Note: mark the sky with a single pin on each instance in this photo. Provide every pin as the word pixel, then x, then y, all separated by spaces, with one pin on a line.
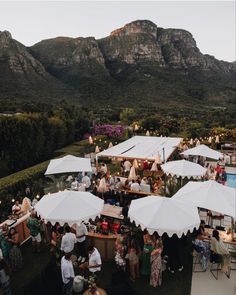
pixel 212 23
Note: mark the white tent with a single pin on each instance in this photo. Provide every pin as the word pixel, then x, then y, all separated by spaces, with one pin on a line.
pixel 69 207
pixel 164 215
pixel 209 195
pixel 68 164
pixel 143 147
pixel 183 168
pixel 204 151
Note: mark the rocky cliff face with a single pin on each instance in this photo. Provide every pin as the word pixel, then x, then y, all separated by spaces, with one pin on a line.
pixel 17 59
pixel 142 41
pixel 21 74
pixel 139 54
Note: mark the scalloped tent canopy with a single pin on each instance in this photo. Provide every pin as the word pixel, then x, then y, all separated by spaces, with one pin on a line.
pixel 164 215
pixel 69 207
pixel 210 195
pixel 183 168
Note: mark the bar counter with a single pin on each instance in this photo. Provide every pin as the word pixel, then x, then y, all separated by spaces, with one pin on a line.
pixel 20 226
pixel 104 243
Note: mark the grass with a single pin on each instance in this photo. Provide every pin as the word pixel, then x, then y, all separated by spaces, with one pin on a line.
pixel 40 276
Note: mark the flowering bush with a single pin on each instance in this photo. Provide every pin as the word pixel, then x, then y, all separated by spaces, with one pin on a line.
pixel 109 130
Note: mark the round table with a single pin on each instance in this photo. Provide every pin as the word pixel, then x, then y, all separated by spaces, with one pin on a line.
pixel 100 292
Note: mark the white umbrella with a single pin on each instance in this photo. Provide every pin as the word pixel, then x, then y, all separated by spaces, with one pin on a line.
pixel 209 195
pixel 147 133
pixel 132 174
pixel 217 139
pixel 183 168
pixel 135 164
pixel 69 207
pixel 69 164
pixel 110 145
pixel 204 151
pixel 158 159
pixel 97 150
pixel 90 139
pixel 164 215
pixel 198 142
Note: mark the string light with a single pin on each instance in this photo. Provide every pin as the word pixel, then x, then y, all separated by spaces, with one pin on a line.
pixel 13 200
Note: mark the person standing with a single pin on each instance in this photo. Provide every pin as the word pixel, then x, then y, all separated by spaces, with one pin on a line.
pixel 86 181
pixel 147 250
pixel 133 257
pixel 33 225
pixel 16 260
pixel 4 244
pixel 81 232
pixel 95 262
pixel 156 267
pixel 67 272
pixel 68 240
pixel 175 253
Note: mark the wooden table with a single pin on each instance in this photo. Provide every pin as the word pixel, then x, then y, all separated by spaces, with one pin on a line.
pixel 104 243
pixel 100 292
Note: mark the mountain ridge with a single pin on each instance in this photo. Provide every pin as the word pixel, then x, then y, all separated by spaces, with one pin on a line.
pixel 92 69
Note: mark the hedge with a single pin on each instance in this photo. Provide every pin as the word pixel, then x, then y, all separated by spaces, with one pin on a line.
pixel 13 183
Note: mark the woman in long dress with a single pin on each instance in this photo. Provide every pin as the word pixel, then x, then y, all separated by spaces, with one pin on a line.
pixel 156 267
pixel 147 249
pixel 15 253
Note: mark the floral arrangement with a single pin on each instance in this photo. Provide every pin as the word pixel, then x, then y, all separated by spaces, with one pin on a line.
pixel 109 130
pixel 92 285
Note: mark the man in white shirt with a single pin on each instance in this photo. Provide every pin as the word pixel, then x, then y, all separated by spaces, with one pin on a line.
pixel 86 181
pixel 68 241
pixel 95 262
pixel 81 232
pixel 67 272
pixel 135 186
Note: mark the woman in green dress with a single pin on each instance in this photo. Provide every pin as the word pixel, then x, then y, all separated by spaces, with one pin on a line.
pixel 147 249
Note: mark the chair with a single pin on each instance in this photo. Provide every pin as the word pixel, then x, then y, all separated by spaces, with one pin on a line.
pixel 215 260
pixel 197 257
pixel 232 252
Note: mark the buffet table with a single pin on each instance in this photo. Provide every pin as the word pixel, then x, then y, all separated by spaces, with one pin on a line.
pixel 104 243
pixel 20 226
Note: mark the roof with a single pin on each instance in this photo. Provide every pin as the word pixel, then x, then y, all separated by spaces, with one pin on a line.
pixel 143 147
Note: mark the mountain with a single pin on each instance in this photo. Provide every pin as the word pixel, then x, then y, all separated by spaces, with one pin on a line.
pixel 21 74
pixel 137 64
